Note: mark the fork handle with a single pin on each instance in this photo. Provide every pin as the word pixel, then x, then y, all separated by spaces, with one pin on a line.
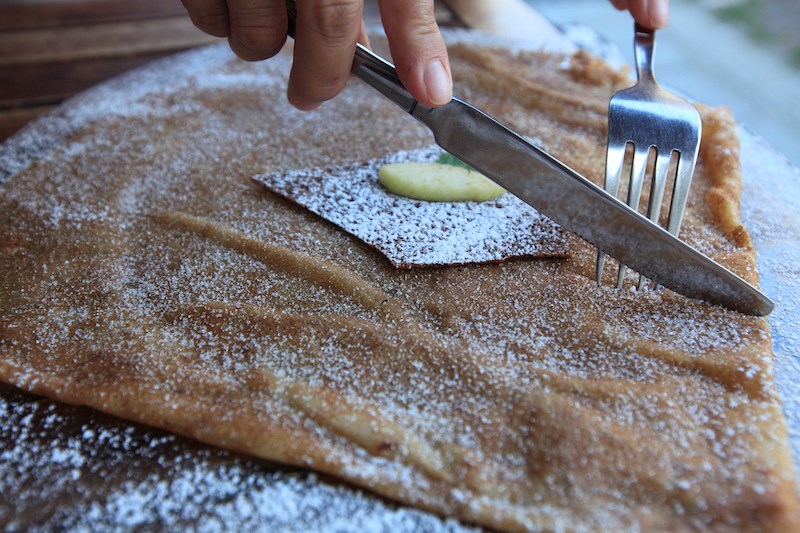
pixel 644 44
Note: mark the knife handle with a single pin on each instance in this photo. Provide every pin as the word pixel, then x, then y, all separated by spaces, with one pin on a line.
pixel 369 67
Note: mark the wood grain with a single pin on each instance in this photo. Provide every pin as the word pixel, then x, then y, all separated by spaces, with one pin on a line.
pixel 50 83
pixel 51 50
pixel 118 39
pixel 21 15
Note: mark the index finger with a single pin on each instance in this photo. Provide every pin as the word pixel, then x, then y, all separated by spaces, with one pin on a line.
pixel 418 49
pixel 325 42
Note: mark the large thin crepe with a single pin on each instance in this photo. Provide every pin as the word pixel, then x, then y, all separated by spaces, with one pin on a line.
pixel 144 275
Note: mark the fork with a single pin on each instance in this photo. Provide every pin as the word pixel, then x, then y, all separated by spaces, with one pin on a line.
pixel 651 119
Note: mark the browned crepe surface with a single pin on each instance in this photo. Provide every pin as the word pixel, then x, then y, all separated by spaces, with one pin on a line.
pixel 145 276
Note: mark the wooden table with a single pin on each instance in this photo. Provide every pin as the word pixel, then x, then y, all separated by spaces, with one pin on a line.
pixel 52 49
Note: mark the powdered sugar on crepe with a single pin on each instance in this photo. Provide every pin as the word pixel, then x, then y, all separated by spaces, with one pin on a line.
pixel 414 233
pixel 214 488
pixel 183 308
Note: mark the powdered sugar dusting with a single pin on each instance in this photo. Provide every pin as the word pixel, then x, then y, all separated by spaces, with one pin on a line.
pixel 770 201
pixel 413 233
pixel 208 489
pixel 131 95
pixel 490 369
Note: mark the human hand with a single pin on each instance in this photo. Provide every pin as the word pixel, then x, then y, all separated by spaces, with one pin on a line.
pixel 653 14
pixel 325 38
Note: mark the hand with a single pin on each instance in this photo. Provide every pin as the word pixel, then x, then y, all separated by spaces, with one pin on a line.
pixel 653 14
pixel 326 35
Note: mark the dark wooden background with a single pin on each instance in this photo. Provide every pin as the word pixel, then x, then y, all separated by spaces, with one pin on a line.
pixel 52 49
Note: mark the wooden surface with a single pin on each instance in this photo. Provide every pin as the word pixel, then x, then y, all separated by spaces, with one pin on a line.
pixel 52 49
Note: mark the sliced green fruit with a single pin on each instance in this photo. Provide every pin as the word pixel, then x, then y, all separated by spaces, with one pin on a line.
pixel 437 182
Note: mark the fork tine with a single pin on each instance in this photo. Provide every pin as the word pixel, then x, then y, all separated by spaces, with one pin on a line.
pixel 598 269
pixel 680 193
pixel 638 169
pixel 615 161
pixel 660 176
pixel 651 119
pixel 659 184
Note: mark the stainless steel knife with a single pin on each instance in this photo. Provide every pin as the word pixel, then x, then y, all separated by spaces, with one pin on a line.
pixel 562 194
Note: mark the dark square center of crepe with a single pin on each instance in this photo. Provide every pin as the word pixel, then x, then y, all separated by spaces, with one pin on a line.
pixel 415 233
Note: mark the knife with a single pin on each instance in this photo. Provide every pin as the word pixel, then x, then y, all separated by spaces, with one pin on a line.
pixel 566 197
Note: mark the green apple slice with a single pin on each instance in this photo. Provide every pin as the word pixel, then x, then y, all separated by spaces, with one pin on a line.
pixel 436 182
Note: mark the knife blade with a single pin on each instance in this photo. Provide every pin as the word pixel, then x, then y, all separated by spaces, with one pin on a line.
pixel 559 192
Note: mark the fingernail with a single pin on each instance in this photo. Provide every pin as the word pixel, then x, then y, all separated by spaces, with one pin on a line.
pixel 306 106
pixel 659 14
pixel 437 83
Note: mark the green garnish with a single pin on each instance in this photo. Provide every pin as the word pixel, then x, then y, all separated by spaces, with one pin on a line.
pixel 449 159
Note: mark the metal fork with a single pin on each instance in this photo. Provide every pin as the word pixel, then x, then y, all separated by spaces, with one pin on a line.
pixel 648 117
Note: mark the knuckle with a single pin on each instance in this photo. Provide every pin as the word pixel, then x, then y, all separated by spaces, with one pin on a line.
pixel 420 33
pixel 330 87
pixel 424 32
pixel 317 90
pixel 336 21
pixel 422 23
pixel 260 30
pixel 213 22
pixel 255 39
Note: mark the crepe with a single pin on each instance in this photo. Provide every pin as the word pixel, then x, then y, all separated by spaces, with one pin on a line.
pixel 144 275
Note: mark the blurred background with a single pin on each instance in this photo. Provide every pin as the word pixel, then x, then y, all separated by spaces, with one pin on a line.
pixel 741 53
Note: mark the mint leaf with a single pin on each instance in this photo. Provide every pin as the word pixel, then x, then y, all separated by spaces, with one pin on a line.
pixel 450 159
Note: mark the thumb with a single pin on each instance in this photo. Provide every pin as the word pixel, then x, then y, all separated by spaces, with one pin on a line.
pixel 657 14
